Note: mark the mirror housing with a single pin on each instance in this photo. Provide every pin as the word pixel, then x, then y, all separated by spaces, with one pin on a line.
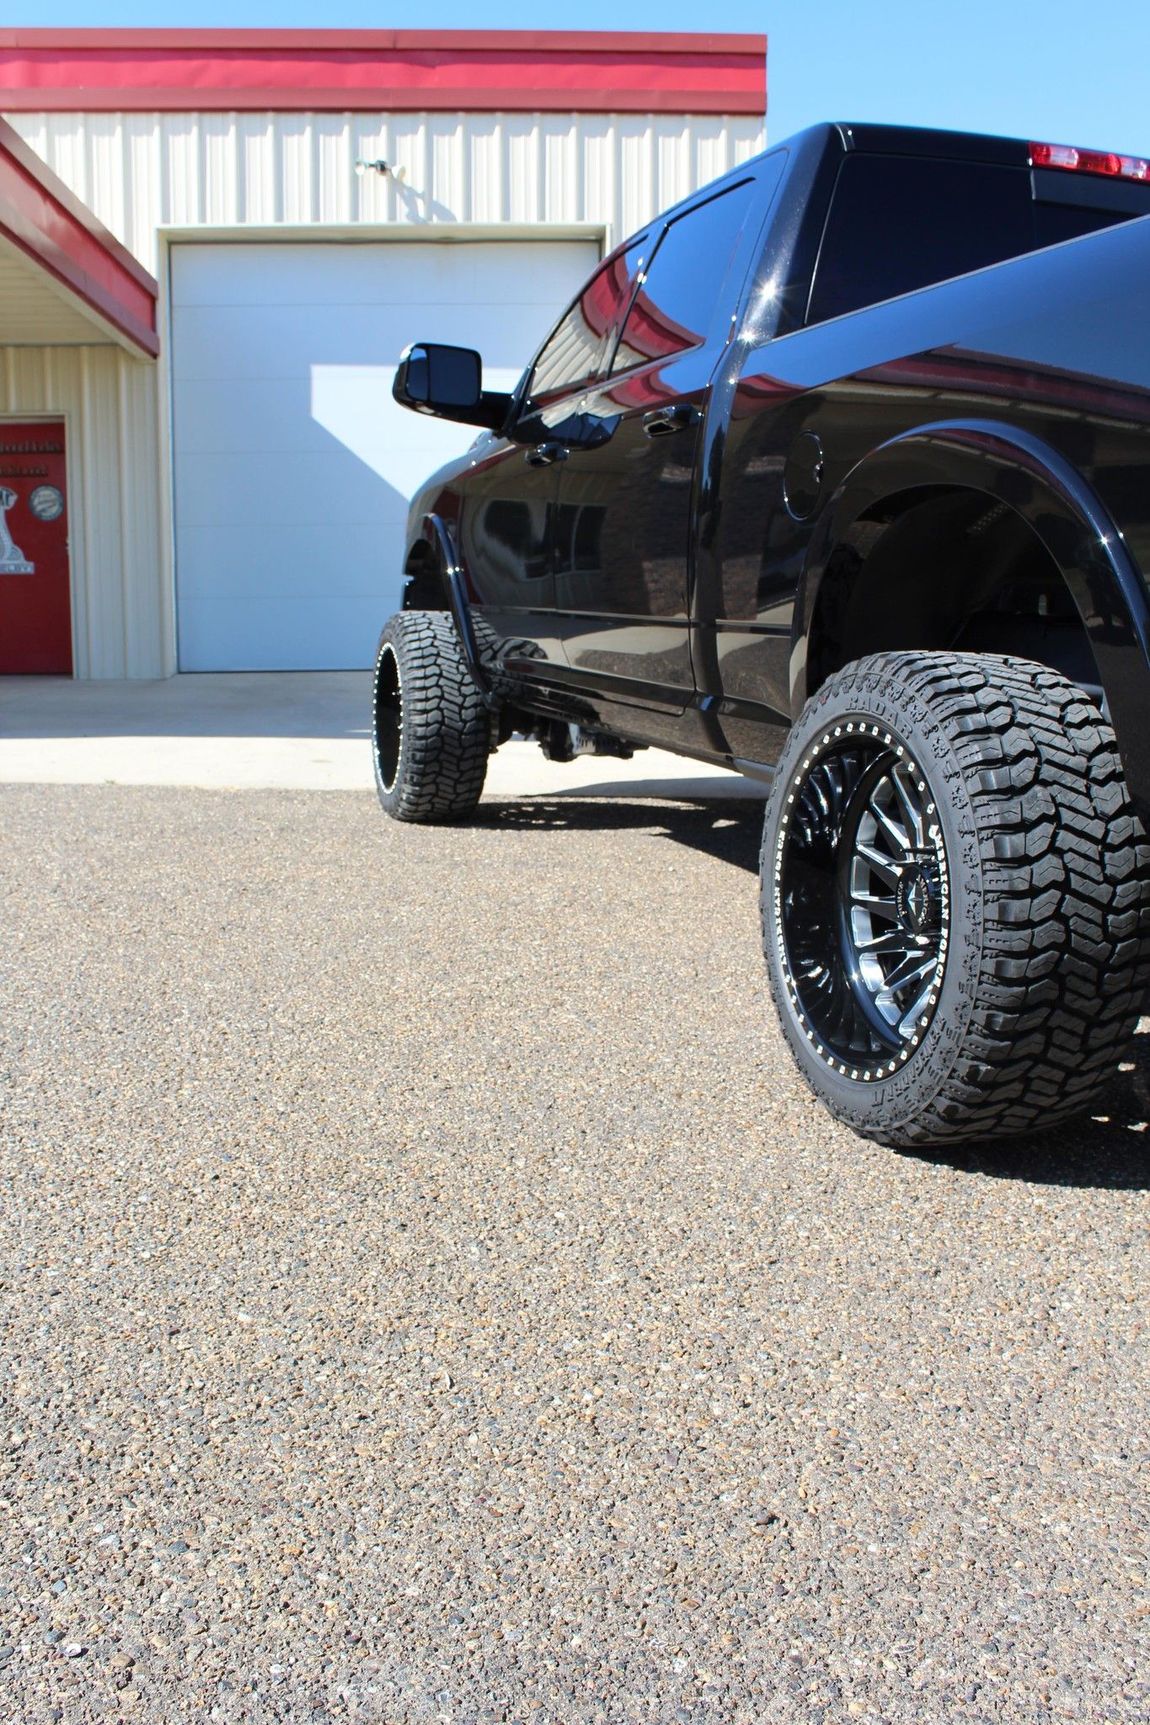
pixel 447 382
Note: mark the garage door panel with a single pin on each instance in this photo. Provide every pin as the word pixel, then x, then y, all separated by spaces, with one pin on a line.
pixel 351 405
pixel 224 342
pixel 235 415
pixel 285 559
pixel 314 636
pixel 372 274
pixel 355 406
pixel 292 489
pixel 293 466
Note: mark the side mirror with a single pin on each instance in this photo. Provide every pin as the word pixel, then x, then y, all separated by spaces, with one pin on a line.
pixel 445 381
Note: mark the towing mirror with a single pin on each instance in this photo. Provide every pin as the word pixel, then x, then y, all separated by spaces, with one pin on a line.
pixel 445 381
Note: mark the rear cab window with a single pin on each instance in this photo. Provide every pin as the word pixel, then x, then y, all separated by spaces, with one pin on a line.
pixel 897 223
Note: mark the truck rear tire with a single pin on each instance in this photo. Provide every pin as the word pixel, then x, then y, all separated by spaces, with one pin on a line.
pixel 955 897
pixel 431 729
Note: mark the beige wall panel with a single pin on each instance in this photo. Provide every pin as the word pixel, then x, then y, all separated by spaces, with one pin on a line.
pixel 334 176
pixel 143 174
pixel 524 187
pixel 257 185
pixel 562 187
pixel 143 171
pixel 485 167
pixel 635 172
pixel 220 177
pixel 181 179
pixel 121 622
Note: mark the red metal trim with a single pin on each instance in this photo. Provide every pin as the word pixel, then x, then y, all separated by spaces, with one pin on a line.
pixel 42 217
pixel 376 100
pixel 643 42
pixel 397 70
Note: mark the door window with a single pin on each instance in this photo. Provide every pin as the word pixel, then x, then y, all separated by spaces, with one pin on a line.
pixel 577 351
pixel 679 290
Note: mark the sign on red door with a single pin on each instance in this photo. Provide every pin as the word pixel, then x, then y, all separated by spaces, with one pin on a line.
pixel 35 591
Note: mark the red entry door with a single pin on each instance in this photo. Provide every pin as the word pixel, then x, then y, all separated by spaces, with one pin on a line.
pixel 35 591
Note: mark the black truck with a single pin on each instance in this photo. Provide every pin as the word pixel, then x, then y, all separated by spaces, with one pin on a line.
pixel 838 474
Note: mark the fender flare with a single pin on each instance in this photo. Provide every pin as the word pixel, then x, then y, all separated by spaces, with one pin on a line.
pixel 437 531
pixel 1016 468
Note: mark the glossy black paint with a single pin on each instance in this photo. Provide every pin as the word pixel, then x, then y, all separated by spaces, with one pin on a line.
pixel 716 528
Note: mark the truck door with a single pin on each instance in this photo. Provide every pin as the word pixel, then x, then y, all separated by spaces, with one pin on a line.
pixel 625 500
pixel 507 522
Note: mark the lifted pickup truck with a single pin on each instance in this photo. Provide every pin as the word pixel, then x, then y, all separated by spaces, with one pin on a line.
pixel 839 474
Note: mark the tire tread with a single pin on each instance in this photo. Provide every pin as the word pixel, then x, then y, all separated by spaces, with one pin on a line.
pixel 446 737
pixel 1065 870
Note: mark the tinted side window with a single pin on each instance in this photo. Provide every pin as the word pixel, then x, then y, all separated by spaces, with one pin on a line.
pixel 897 223
pixel 577 349
pixel 679 290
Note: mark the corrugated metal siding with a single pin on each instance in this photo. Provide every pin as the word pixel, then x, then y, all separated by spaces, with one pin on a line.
pixel 140 171
pixel 121 608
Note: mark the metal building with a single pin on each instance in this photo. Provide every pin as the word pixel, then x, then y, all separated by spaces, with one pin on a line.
pixel 214 245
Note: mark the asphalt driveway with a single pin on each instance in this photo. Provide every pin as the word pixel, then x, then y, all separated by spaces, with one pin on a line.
pixel 429 1294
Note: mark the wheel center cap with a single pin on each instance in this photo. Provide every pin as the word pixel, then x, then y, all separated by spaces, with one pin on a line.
pixel 916 897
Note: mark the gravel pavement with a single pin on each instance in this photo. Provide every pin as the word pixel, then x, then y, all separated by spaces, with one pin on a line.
pixel 429 1294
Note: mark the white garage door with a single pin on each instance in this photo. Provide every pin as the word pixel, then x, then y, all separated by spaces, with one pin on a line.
pixel 293 466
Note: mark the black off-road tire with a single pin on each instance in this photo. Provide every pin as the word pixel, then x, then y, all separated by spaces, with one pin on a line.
pixel 1023 913
pixel 431 728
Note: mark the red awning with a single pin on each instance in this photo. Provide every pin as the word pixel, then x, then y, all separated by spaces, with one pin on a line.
pixel 44 221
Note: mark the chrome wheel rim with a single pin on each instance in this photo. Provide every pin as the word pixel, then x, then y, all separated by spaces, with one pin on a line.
pixel 861 900
pixel 387 731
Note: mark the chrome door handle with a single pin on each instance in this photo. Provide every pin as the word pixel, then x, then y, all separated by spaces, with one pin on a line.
pixel 546 454
pixel 665 421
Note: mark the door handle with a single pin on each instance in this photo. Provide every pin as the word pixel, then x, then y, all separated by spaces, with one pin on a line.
pixel 665 421
pixel 546 454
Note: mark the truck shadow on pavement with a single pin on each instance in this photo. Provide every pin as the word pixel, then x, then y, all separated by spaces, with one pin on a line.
pixel 727 828
pixel 1108 1147
pixel 1105 1148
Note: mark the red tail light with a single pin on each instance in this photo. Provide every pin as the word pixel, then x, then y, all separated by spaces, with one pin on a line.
pixel 1089 161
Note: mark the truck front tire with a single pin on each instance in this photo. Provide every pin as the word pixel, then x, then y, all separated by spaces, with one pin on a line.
pixel 431 729
pixel 955 897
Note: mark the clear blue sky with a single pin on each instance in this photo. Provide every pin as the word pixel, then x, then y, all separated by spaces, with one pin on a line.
pixel 1067 71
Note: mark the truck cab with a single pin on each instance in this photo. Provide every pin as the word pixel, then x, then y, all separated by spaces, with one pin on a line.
pixel 641 510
